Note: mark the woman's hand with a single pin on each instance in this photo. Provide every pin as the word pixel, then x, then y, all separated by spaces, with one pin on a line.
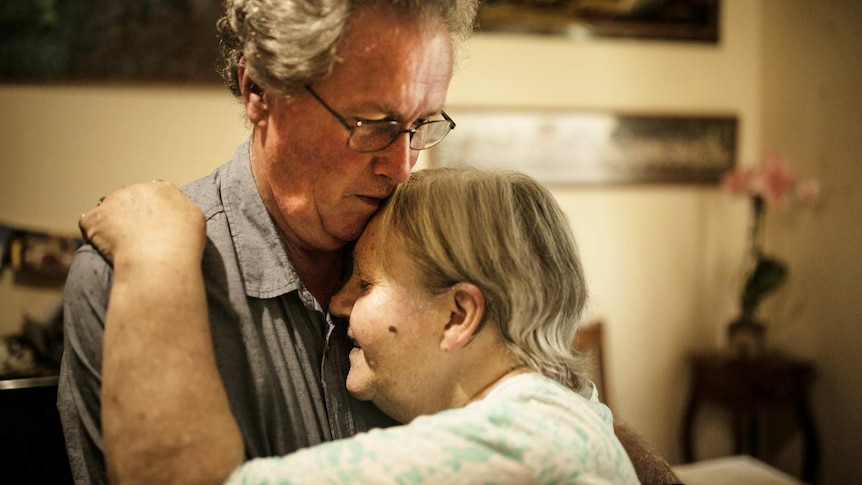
pixel 144 221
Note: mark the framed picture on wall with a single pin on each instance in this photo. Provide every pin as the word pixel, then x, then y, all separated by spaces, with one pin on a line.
pixel 37 258
pixel 570 147
pixel 109 41
pixel 676 20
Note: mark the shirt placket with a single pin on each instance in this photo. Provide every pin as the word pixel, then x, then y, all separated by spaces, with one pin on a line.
pixel 334 368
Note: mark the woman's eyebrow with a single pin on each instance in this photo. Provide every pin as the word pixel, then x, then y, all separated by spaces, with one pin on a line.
pixel 357 266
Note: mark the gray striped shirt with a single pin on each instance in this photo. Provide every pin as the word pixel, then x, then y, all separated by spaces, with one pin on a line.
pixel 282 360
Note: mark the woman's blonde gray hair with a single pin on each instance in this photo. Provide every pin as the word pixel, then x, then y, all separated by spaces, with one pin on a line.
pixel 505 233
pixel 288 44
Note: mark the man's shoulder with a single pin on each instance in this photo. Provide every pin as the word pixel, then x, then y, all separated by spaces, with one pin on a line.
pixel 224 186
pixel 89 276
pixel 206 191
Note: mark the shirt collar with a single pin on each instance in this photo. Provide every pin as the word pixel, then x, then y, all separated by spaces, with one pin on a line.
pixel 266 269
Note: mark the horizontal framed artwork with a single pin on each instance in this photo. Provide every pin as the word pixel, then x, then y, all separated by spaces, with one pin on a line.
pixel 94 41
pixel 673 20
pixel 570 147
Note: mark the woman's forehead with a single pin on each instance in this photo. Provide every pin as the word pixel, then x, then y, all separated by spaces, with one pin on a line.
pixel 367 252
pixel 380 251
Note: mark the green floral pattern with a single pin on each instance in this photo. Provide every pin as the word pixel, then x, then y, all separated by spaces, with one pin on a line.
pixel 528 430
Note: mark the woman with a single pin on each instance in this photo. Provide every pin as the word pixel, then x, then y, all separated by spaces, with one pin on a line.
pixel 464 299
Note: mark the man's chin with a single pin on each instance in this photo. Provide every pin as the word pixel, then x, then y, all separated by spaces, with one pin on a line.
pixel 355 224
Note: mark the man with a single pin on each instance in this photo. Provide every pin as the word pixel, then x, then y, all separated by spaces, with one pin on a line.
pixel 341 96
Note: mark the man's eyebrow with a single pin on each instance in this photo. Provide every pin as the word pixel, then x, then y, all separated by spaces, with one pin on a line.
pixel 390 112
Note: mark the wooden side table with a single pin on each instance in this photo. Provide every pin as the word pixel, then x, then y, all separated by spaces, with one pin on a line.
pixel 748 389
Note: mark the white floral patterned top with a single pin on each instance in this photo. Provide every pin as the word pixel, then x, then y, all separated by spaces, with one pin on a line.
pixel 528 430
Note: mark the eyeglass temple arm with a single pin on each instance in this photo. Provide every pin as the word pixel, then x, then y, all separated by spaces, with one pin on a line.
pixel 329 108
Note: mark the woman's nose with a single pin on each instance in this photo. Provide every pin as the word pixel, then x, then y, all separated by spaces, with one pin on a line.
pixel 342 302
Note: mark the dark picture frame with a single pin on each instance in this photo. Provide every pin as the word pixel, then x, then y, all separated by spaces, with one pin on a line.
pixel 570 147
pixel 95 41
pixel 669 20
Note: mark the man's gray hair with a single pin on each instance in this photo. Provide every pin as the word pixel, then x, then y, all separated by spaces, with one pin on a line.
pixel 288 44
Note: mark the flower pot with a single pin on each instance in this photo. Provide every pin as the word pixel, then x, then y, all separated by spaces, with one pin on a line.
pixel 746 337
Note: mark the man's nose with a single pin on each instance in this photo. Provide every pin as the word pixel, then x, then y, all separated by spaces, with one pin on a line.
pixel 395 161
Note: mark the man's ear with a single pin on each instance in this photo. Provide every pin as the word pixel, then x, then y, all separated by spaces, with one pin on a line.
pixel 466 313
pixel 252 95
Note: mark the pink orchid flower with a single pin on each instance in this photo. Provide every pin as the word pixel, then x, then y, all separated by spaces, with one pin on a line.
pixel 771 181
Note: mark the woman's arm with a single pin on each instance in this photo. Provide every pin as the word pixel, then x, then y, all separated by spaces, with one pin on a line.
pixel 165 414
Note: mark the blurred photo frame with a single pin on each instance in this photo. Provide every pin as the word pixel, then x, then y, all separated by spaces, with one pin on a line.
pixel 667 20
pixel 572 147
pixel 37 258
pixel 109 41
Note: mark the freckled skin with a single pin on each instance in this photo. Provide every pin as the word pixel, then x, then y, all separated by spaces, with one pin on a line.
pixel 398 329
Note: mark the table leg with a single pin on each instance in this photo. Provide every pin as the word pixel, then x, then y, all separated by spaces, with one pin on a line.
pixel 688 431
pixel 811 442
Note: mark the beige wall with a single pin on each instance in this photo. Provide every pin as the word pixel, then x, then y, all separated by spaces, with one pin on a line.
pixel 64 147
pixel 812 76
pixel 662 260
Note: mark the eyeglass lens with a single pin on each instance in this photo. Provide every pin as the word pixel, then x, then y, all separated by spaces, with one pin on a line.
pixel 373 136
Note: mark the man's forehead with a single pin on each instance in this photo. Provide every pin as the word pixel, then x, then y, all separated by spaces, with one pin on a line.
pixel 402 54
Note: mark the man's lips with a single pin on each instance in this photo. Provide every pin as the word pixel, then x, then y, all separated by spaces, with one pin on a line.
pixel 376 195
pixel 375 201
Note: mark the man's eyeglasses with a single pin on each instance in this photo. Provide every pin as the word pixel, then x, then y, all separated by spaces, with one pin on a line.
pixel 374 135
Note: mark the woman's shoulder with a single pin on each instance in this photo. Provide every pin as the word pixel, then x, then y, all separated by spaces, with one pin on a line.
pixel 534 389
pixel 538 421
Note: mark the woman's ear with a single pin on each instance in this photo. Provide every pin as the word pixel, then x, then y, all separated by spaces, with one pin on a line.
pixel 252 95
pixel 466 313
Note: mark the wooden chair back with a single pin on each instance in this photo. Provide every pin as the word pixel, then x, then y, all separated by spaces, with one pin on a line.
pixel 590 341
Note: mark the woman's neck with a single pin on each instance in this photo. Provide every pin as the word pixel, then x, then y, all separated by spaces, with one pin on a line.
pixel 519 368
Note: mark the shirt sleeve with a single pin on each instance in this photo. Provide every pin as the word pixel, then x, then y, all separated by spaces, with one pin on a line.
pixel 85 301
